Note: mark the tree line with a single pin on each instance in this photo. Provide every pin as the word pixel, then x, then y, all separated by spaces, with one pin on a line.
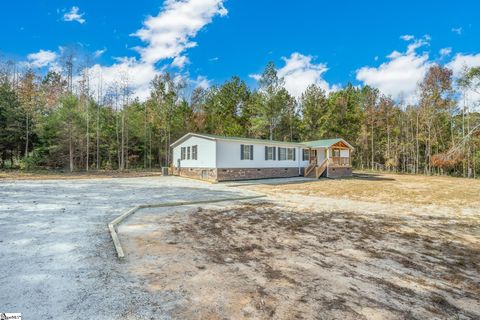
pixel 57 121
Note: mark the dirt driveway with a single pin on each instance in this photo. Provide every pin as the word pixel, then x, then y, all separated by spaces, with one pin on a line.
pixel 57 260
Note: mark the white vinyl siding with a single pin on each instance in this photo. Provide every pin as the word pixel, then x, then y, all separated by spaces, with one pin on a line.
pixel 229 156
pixel 202 153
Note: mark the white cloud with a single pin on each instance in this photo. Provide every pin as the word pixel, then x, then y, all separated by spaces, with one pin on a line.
pixel 255 76
pixel 457 30
pixel 97 54
pixel 445 51
pixel 42 58
pixel 201 82
pixel 137 74
pixel 458 65
pixel 74 15
pixel 170 32
pixel 412 47
pixel 462 61
pixel 399 76
pixel 407 37
pixel 299 72
pixel 180 62
pixel 167 36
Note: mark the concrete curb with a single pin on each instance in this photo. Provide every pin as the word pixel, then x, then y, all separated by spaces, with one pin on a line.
pixel 112 226
pixel 270 183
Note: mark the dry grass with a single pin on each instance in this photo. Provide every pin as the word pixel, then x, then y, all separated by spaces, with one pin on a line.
pixel 390 188
pixel 59 175
pixel 263 261
pixel 368 247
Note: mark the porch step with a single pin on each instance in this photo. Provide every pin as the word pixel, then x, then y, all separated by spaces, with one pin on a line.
pixel 316 171
pixel 319 171
pixel 311 174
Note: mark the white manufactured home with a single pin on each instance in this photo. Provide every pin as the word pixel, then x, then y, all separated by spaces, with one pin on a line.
pixel 219 158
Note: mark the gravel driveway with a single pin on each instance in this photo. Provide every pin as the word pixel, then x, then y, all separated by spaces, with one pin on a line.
pixel 57 260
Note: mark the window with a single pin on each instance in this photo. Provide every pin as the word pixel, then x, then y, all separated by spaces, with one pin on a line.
pixel 336 153
pixel 182 153
pixel 188 153
pixel 291 154
pixel 286 153
pixel 270 153
pixel 306 155
pixel 194 152
pixel 246 152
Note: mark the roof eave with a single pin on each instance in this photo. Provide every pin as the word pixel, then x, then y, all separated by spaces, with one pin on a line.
pixel 186 136
pixel 297 144
pixel 263 142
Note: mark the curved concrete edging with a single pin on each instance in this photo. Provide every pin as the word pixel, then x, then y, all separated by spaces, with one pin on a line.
pixel 114 223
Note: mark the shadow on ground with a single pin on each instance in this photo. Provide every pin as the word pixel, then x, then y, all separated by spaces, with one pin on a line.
pixel 370 177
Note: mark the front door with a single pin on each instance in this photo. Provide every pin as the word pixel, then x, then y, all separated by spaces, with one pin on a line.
pixel 313 155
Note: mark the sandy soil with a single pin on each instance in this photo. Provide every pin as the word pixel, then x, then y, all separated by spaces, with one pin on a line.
pixel 307 254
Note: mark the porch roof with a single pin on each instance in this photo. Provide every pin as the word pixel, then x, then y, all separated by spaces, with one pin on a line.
pixel 326 143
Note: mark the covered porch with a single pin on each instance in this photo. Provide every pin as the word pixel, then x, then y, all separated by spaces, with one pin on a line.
pixel 328 158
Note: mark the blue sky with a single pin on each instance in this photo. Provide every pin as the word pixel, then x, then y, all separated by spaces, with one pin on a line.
pixel 386 44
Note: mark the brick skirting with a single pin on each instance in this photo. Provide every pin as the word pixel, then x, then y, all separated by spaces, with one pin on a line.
pixel 338 172
pixel 235 174
pixel 207 174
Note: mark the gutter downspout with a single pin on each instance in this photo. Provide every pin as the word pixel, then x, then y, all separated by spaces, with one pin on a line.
pixel 300 151
pixel 328 161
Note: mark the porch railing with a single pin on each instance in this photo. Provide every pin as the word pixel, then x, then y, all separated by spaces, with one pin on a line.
pixel 319 170
pixel 340 161
pixel 309 169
